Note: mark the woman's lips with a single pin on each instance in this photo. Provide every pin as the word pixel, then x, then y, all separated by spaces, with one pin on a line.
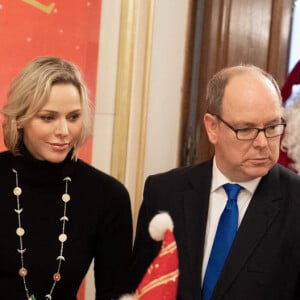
pixel 60 147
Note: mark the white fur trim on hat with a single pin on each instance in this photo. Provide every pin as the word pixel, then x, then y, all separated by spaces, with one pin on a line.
pixel 159 224
pixel 127 297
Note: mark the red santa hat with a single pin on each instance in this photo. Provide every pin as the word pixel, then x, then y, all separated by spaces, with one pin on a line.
pixel 161 279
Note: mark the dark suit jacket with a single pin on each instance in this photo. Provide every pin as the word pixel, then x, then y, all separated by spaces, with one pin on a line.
pixel 264 261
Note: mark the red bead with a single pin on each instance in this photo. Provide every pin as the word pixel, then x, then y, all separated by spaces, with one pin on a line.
pixel 23 272
pixel 56 277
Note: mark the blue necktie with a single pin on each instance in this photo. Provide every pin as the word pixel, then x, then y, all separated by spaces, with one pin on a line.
pixel 224 237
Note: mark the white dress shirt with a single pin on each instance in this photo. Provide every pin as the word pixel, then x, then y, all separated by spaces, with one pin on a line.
pixel 217 202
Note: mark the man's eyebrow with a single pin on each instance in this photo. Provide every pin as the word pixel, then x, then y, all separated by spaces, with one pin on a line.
pixel 254 125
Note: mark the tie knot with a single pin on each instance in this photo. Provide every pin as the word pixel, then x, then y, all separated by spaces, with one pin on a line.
pixel 232 190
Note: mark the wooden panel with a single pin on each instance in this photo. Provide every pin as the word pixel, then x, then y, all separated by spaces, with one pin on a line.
pixel 211 51
pixel 279 46
pixel 249 32
pixel 241 31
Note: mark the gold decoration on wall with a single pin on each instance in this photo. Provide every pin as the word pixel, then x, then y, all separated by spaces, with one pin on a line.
pixel 144 109
pixel 123 89
pixel 132 88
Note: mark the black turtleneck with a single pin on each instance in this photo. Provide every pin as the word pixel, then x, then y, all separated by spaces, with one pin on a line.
pixel 99 227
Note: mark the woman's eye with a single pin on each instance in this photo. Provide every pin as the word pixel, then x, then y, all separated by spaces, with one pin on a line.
pixel 47 118
pixel 74 117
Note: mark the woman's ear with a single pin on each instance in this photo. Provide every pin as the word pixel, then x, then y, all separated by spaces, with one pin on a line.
pixel 211 126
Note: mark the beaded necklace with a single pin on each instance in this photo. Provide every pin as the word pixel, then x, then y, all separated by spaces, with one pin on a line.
pixel 17 191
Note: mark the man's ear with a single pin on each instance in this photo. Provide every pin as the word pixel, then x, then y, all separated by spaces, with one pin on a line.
pixel 211 126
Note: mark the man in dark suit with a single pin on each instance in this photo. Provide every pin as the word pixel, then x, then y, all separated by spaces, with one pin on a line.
pixel 244 123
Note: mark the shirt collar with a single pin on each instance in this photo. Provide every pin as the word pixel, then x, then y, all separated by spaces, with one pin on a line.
pixel 219 179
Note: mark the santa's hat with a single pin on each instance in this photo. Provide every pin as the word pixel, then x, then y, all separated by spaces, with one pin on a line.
pixel 161 279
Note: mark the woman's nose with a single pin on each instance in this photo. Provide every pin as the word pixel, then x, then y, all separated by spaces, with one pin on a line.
pixel 62 128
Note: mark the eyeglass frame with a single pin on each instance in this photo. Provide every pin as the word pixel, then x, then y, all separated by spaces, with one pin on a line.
pixel 258 130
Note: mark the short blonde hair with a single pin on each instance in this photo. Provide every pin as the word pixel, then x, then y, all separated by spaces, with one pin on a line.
pixel 30 91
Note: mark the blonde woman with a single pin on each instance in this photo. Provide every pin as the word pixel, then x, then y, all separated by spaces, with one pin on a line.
pixel 57 213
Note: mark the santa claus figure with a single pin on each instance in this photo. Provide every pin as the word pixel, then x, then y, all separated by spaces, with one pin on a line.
pixel 290 144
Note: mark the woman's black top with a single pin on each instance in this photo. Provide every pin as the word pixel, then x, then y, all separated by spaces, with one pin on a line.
pixel 99 227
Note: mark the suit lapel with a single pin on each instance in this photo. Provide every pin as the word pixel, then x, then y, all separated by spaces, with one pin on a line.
pixel 195 207
pixel 262 210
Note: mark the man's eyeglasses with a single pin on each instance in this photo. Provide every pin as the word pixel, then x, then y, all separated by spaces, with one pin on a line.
pixel 250 133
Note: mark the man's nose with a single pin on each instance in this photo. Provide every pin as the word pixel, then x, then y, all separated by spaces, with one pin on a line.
pixel 261 138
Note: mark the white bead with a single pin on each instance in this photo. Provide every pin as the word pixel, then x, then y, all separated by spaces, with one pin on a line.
pixel 66 197
pixel 20 231
pixel 62 237
pixel 17 191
